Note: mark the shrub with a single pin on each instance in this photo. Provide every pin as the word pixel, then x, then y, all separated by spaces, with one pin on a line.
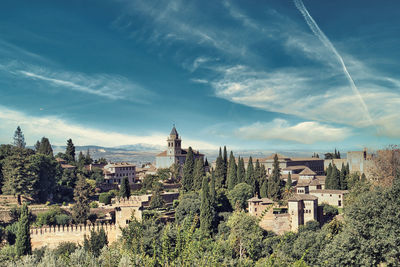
pixel 65 249
pixel 94 205
pixel 62 219
pixel 105 198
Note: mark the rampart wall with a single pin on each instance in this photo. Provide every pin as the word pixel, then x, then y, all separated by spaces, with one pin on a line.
pixel 52 236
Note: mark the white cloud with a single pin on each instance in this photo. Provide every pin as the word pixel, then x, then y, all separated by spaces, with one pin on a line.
pixel 58 130
pixel 104 85
pixel 308 132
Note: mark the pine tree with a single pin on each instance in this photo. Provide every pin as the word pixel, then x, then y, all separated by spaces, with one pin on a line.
pixel 219 171
pixel 37 146
pixel 23 241
pixel 241 172
pixel 88 158
pixel 198 173
pixel 20 177
pixel 125 189
pixel 82 192
pixel 274 190
pixel 232 172
pixel 206 212
pixel 45 147
pixel 19 139
pixel 70 151
pixel 188 171
pixel 81 160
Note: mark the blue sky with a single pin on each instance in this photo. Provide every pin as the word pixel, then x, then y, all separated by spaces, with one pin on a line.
pixel 246 74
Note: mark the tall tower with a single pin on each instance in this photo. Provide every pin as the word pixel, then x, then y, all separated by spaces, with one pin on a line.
pixel 174 143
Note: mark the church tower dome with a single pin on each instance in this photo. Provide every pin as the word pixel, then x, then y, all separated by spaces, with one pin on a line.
pixel 174 143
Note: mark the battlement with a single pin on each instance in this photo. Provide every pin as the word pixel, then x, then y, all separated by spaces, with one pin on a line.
pixel 133 200
pixel 74 228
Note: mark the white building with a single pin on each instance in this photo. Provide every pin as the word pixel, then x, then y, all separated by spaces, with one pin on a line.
pixel 115 172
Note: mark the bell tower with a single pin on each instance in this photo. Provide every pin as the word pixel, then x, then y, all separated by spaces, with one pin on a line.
pixel 174 143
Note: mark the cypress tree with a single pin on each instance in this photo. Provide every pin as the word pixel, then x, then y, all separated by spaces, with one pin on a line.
pixel 19 139
pixel 241 172
pixel 335 178
pixel 213 195
pixel 232 172
pixel 198 173
pixel 188 171
pixel 289 181
pixel 23 242
pixel 275 180
pixel 257 177
pixel 250 176
pixel 225 158
pixel 70 151
pixel 82 192
pixel 328 179
pixel 157 200
pixel 264 189
pixel 343 178
pixel 219 171
pixel 125 189
pixel 206 213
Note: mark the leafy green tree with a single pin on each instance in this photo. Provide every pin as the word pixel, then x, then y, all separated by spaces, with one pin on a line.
pixel 245 235
pixel 19 139
pixel 198 173
pixel 23 242
pixel 239 195
pixel 164 173
pixel 70 151
pixel 219 171
pixel 96 241
pixel 157 200
pixel 45 147
pixel 371 232
pixel 274 181
pixel 189 206
pixel 241 171
pixel 82 193
pixel 46 167
pixel 232 172
pixel 206 209
pixel 188 171
pixel 20 177
pixel 125 189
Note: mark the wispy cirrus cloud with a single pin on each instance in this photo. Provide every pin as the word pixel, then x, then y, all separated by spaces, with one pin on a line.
pixel 307 132
pixel 58 130
pixel 113 87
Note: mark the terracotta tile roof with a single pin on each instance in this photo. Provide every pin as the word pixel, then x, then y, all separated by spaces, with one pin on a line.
pixel 307 171
pixel 263 200
pixel 299 167
pixel 329 191
pixel 298 197
pixel 279 156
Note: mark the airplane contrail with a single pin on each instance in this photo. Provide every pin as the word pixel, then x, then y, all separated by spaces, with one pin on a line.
pixel 322 37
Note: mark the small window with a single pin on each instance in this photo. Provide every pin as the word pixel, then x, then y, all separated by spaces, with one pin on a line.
pixel 339 203
pixel 255 209
pixel 340 196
